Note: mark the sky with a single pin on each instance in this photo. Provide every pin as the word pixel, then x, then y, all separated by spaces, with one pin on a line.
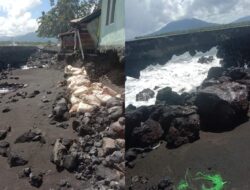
pixel 18 17
pixel 146 16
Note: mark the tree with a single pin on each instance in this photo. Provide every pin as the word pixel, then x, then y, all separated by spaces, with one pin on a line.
pixel 57 20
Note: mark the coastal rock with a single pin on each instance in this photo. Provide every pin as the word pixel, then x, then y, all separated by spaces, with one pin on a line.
pixel 169 97
pixel 205 60
pixel 183 130
pixel 147 134
pixel 215 72
pixel 222 106
pixel 145 95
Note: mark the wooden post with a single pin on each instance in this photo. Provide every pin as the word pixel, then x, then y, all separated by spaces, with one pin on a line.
pixel 80 44
pixel 75 41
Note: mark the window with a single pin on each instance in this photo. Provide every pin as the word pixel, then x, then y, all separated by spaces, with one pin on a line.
pixel 110 17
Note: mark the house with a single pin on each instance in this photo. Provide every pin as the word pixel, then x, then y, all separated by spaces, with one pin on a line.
pixel 102 30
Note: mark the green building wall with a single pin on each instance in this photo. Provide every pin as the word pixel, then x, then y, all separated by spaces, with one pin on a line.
pixel 112 36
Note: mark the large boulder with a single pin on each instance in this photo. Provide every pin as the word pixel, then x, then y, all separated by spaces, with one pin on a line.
pixel 178 124
pixel 183 130
pixel 145 95
pixel 222 106
pixel 215 72
pixel 148 133
pixel 169 97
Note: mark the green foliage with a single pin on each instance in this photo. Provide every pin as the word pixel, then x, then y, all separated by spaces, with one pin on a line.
pixel 57 20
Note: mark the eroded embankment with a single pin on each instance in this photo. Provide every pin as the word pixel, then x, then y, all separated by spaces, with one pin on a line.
pixel 16 56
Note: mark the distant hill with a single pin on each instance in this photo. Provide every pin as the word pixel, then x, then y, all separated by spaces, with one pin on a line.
pixel 243 19
pixel 185 24
pixel 30 37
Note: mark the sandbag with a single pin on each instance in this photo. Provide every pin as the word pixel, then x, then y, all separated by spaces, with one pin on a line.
pixel 74 100
pixel 80 91
pixel 92 100
pixel 109 91
pixel 83 107
pixel 74 108
pixel 103 97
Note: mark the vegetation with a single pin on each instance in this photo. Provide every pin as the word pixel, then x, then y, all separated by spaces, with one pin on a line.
pixel 57 20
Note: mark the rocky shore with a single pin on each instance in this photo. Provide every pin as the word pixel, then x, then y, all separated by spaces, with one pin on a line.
pixel 218 106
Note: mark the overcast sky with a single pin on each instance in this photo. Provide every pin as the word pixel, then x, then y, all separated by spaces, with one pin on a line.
pixel 20 16
pixel 146 16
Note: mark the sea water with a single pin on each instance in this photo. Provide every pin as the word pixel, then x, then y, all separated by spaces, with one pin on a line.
pixel 182 73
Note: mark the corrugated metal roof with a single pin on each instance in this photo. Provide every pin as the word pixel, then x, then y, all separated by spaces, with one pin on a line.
pixel 88 18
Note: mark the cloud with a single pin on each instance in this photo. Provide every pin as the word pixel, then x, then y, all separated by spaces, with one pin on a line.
pixel 146 16
pixel 16 18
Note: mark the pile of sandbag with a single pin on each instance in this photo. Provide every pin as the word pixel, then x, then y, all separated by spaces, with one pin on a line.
pixel 84 95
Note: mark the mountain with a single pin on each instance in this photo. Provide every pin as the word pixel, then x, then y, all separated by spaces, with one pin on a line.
pixel 185 24
pixel 243 19
pixel 30 37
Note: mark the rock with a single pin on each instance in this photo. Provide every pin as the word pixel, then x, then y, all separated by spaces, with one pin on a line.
pixel 33 94
pixel 25 173
pixel 115 112
pixel 106 173
pixel 15 160
pixel 167 96
pixel 147 134
pixel 62 125
pixel 60 109
pixel 118 129
pixel 45 99
pixel 130 107
pixel 70 162
pixel 205 60
pixel 59 151
pixel 222 106
pixel 36 180
pixel 134 119
pixel 108 146
pixel 215 72
pixel 3 134
pixel 75 125
pixel 183 130
pixel 4 144
pixel 165 184
pixel 112 102
pixel 236 73
pixel 117 157
pixel 29 137
pixel 130 155
pixel 6 109
pixel 145 95
pixel 85 130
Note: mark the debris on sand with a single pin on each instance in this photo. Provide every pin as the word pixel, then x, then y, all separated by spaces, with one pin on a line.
pixel 31 136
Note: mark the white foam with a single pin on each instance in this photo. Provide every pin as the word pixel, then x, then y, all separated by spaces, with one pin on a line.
pixel 26 67
pixel 182 73
pixel 4 90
